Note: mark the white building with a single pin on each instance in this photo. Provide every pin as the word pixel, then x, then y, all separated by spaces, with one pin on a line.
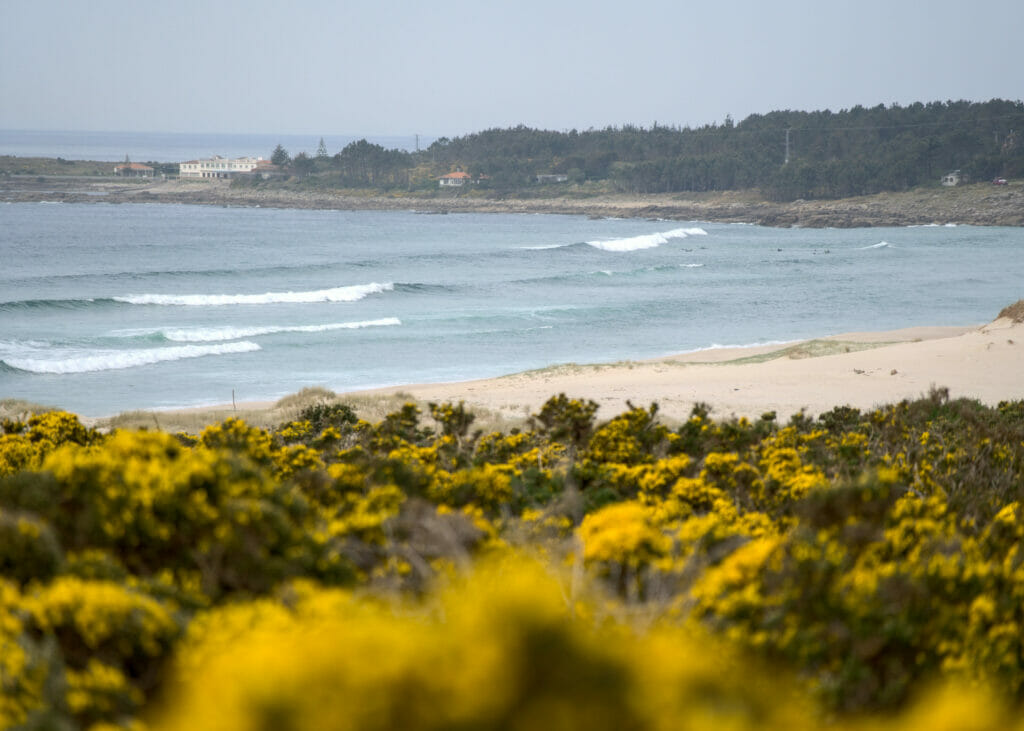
pixel 218 167
pixel 953 178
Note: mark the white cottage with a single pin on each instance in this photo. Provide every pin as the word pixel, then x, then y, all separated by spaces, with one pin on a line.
pixel 951 179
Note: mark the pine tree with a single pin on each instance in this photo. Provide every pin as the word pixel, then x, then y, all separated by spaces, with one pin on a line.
pixel 280 156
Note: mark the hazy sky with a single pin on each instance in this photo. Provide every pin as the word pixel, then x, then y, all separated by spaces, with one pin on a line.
pixel 448 67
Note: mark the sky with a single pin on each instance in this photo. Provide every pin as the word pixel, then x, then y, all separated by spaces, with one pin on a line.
pixel 452 67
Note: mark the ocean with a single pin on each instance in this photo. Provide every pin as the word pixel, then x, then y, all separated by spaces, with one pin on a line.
pixel 106 308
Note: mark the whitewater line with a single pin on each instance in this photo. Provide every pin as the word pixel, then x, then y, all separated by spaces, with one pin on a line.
pixel 215 334
pixel 110 361
pixel 351 293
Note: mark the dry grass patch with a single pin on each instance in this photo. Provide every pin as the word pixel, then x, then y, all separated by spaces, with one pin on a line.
pixel 809 349
pixel 1013 312
pixel 369 407
pixel 190 421
pixel 19 410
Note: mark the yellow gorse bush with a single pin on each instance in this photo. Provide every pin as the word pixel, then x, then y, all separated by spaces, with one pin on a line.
pixel 22 669
pixel 864 570
pixel 505 646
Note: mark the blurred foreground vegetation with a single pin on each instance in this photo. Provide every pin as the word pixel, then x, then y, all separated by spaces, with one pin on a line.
pixel 858 570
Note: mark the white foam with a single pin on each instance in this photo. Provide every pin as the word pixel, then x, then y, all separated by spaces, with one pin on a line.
pixel 879 245
pixel 8 347
pixel 351 293
pixel 215 334
pixel 546 247
pixel 720 346
pixel 115 360
pixel 646 241
pixel 951 225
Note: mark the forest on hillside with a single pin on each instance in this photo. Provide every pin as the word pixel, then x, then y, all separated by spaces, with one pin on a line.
pixel 786 154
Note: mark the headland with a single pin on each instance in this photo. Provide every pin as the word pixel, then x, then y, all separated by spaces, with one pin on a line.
pixel 979 204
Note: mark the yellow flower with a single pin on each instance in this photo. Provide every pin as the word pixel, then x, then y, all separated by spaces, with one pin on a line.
pixel 622 533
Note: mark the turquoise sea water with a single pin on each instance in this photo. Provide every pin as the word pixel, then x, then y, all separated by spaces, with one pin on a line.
pixel 105 308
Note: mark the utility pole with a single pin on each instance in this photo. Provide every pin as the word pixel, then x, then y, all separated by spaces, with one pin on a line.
pixel 417 143
pixel 786 162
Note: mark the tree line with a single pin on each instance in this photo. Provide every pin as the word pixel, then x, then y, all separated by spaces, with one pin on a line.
pixel 786 154
pixel 360 164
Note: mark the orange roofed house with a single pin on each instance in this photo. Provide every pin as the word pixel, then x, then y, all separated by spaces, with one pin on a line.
pixel 456 179
pixel 133 170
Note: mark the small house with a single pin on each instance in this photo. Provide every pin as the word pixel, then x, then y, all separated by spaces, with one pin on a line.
pixel 133 170
pixel 454 180
pixel 953 178
pixel 555 178
pixel 265 170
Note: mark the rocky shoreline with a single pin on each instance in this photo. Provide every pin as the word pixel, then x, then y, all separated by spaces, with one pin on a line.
pixel 980 204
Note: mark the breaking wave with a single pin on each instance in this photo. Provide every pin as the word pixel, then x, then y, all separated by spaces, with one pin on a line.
pixel 351 293
pixel 115 360
pixel 879 245
pixel 646 241
pixel 217 334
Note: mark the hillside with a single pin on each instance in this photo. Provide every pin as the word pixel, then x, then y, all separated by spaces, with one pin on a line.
pixel 785 155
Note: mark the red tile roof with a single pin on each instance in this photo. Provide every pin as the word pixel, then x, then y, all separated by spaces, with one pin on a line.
pixel 456 176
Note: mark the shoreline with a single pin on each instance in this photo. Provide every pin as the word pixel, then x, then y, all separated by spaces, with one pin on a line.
pixel 860 369
pixel 979 204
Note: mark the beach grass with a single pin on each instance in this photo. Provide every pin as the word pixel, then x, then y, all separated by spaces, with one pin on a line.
pixel 371 406
pixel 20 409
pixel 808 349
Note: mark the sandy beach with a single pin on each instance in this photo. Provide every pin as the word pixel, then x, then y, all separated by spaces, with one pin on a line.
pixel 862 370
pixel 855 369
